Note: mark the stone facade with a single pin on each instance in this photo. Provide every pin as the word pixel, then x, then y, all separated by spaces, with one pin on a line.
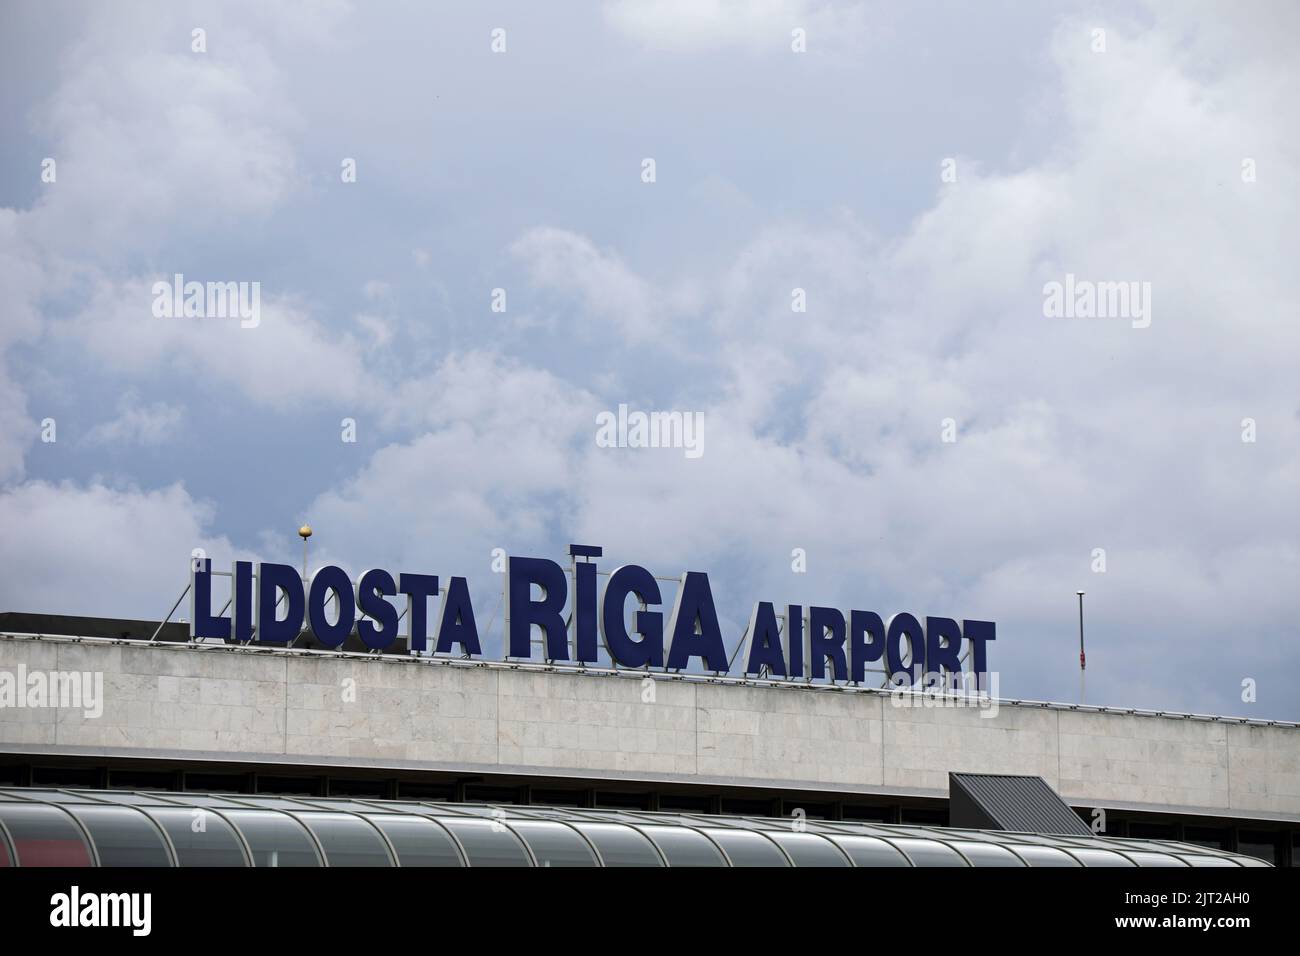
pixel 269 706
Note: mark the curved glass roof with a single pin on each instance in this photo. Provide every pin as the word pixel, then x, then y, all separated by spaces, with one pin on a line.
pixel 127 828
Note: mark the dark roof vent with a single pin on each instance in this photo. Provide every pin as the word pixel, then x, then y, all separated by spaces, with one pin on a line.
pixel 993 801
pixel 14 622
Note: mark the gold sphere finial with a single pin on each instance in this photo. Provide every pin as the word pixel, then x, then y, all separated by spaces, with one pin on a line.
pixel 304 532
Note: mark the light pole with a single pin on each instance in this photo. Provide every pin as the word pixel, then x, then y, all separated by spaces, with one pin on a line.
pixel 1083 661
pixel 304 532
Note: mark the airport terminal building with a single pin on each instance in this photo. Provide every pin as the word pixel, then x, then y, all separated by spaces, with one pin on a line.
pixel 323 755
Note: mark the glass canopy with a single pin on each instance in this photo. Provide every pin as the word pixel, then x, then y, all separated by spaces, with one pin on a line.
pixel 51 827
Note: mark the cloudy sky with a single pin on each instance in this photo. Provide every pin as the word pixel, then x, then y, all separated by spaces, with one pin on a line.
pixel 920 171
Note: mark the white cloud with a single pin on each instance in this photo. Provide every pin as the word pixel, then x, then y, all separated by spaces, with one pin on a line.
pixel 138 425
pixel 101 550
pixel 822 428
pixel 756 25
pixel 286 359
pixel 610 292
pixel 492 466
pixel 152 140
pixel 825 432
pixel 21 278
pixel 156 138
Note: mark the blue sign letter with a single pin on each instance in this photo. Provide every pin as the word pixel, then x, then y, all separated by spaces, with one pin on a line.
pixel 977 633
pixel 821 645
pixel 942 651
pixel 271 580
pixel 866 641
pixel 456 622
pixel 371 589
pixel 632 579
pixel 764 639
pixel 202 623
pixel 693 626
pixel 548 613
pixel 331 578
pixel 418 588
pixel 900 626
